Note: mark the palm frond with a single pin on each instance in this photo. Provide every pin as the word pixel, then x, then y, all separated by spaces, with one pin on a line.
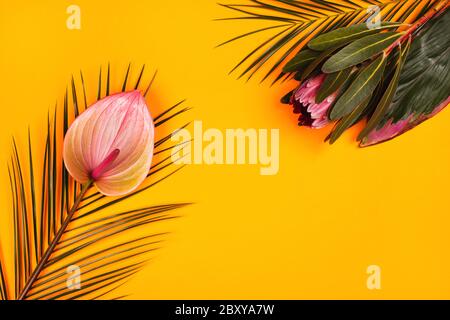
pixel 49 237
pixel 3 285
pixel 300 21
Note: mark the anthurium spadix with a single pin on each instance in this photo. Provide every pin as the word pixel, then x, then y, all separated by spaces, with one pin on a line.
pixel 111 144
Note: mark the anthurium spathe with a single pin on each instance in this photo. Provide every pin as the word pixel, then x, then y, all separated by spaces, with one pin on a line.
pixel 111 144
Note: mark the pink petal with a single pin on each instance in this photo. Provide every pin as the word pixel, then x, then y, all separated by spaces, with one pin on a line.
pixel 308 89
pixel 112 143
pixel 319 123
pixel 316 81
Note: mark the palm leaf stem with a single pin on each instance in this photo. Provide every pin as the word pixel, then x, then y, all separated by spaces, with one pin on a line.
pixel 3 288
pixel 50 249
pixel 439 7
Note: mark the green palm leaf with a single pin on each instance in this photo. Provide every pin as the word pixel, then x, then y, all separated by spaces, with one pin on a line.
pixel 300 21
pixel 49 237
pixel 3 287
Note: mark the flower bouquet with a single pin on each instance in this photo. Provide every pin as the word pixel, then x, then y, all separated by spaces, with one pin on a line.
pixel 393 75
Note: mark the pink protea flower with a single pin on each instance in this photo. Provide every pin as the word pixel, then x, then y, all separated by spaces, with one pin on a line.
pixel 312 114
pixel 111 144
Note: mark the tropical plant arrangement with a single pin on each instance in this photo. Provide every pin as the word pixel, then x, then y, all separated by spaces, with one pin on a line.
pixel 94 158
pixel 393 75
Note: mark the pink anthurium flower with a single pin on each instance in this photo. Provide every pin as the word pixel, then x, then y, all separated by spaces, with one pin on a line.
pixel 111 144
pixel 312 114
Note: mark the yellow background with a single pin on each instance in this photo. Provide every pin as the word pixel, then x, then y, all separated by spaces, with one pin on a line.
pixel 309 232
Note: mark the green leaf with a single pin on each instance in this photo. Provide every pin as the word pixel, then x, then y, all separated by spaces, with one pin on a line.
pixel 425 79
pixel 302 59
pixel 361 88
pixel 387 97
pixel 346 35
pixel 360 51
pixel 3 285
pixel 287 98
pixel 316 63
pixel 348 121
pixel 332 82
